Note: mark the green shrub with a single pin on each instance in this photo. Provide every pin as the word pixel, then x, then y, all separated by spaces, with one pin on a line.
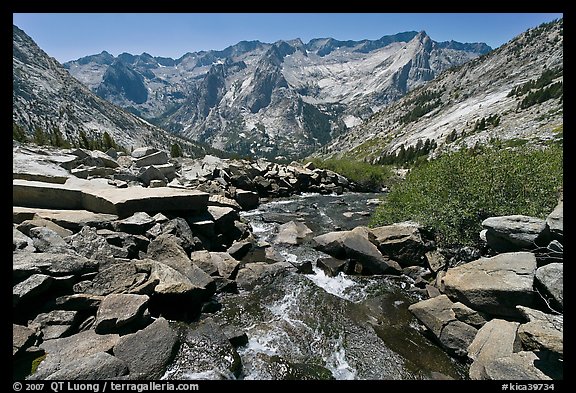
pixel 18 133
pixel 453 194
pixel 175 150
pixel 367 176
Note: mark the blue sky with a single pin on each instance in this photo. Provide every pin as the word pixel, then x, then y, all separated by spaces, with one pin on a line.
pixel 69 36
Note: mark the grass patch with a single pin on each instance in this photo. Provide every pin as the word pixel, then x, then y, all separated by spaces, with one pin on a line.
pixel 453 194
pixel 36 363
pixel 367 176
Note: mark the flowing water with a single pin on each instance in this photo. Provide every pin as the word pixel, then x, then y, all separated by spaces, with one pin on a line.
pixel 311 326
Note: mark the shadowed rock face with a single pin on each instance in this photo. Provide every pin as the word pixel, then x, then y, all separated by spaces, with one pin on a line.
pixel 148 352
pixel 121 80
pixel 550 279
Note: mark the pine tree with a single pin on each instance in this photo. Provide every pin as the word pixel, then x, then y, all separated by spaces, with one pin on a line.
pixel 175 150
pixel 107 141
pixel 39 136
pixel 401 154
pixel 18 133
pixel 83 142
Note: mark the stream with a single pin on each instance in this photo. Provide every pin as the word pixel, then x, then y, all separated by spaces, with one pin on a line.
pixel 311 326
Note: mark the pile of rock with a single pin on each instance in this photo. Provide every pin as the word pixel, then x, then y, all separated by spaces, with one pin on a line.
pixel 393 249
pixel 95 261
pixel 266 179
pixel 240 181
pixel 108 247
pixel 504 313
pixel 86 291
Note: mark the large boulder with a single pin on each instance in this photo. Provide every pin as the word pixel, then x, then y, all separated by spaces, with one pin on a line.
pixel 205 348
pixel 55 324
pixel 457 336
pixel 138 223
pixel 435 313
pixel 332 266
pixel 45 239
pixel 99 366
pixel 222 201
pixel 168 170
pixel 180 228
pixel 360 249
pixel 494 340
pixel 36 222
pixel 355 244
pixel 515 233
pixel 143 151
pixel 86 172
pixel 157 158
pixel 165 249
pixel 438 315
pixel 467 315
pixel 163 280
pixel 33 286
pixel 173 294
pixel 150 173
pixel 216 263
pixel 149 351
pixel 66 352
pixel 119 312
pixel 21 242
pixel 247 199
pixel 494 285
pixel 73 220
pixel 124 245
pixel 41 164
pixel 223 217
pixel 79 302
pixel 555 221
pixel 89 244
pixel 519 366
pixel 292 233
pixel 436 260
pixel 25 264
pixel 22 337
pixel 402 243
pixel 256 273
pixel 99 198
pixel 104 159
pixel 118 278
pixel 550 279
pixel 331 244
pixel 542 332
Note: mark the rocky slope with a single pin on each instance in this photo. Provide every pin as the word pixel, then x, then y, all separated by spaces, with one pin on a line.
pixel 488 98
pixel 286 98
pixel 45 96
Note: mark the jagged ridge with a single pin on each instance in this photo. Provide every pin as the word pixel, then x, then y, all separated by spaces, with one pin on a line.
pixel 286 98
pixel 471 104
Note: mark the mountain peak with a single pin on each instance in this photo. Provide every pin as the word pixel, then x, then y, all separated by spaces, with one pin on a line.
pixel 268 99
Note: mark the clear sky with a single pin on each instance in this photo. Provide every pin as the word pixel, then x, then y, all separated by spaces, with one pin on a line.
pixel 68 36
